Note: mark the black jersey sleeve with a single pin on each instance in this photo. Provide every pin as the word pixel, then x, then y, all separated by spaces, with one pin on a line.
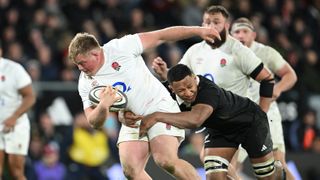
pixel 208 95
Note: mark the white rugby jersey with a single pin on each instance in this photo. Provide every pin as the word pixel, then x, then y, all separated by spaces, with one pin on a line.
pixel 229 66
pixel 125 69
pixel 273 61
pixel 12 78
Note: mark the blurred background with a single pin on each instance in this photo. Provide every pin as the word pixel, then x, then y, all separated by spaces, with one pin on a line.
pixel 36 34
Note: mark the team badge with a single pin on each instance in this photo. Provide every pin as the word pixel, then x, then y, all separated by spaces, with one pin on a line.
pixel 116 66
pixel 223 62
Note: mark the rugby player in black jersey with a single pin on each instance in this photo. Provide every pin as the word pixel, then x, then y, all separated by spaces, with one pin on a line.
pixel 230 120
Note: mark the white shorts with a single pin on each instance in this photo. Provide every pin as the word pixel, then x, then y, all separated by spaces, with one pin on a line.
pixel 132 134
pixel 16 141
pixel 275 124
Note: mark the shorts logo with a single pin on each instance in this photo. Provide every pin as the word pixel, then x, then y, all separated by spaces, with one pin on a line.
pixel 264 147
pixel 223 62
pixel 116 66
pixel 168 126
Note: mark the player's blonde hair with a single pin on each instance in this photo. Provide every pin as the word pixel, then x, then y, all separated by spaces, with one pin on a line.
pixel 82 43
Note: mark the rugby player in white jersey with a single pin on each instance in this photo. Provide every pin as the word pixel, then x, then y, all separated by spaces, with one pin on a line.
pixel 243 30
pixel 227 62
pixel 16 98
pixel 119 64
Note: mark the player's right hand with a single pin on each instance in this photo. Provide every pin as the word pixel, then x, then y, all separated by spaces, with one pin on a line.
pixel 108 96
pixel 210 34
pixel 160 67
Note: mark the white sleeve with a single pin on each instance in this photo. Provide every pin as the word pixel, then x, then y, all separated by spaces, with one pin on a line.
pixel 130 44
pixel 187 57
pixel 22 77
pixel 246 59
pixel 84 90
pixel 273 59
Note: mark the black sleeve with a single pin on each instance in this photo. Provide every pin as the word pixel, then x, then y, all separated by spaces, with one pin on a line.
pixel 256 71
pixel 166 84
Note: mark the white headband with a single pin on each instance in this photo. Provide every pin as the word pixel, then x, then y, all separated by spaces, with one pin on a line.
pixel 237 26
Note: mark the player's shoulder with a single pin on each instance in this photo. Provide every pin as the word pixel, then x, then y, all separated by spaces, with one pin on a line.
pixel 233 45
pixel 119 41
pixel 197 46
pixel 11 64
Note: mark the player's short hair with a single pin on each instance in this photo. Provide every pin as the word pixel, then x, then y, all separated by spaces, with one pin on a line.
pixel 178 72
pixel 218 9
pixel 241 23
pixel 0 44
pixel 82 43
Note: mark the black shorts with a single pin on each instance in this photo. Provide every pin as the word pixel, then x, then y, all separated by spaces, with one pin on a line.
pixel 254 137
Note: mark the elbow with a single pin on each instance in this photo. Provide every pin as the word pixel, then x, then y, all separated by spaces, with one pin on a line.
pixel 94 124
pixel 294 78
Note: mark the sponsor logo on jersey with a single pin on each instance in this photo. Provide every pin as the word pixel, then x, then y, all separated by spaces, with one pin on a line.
pixel 116 66
pixel 223 62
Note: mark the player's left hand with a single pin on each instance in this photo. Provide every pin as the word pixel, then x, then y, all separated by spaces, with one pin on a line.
pixel 128 118
pixel 8 124
pixel 146 123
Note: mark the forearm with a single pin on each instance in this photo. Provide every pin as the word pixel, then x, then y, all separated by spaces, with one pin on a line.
pixel 98 116
pixel 154 38
pixel 178 33
pixel 286 82
pixel 27 103
pixel 181 120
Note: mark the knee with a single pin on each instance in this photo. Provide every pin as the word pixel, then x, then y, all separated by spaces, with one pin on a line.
pixel 129 171
pixel 165 162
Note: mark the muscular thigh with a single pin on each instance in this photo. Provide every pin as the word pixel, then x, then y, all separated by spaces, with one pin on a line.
pixel 17 141
pixel 134 153
pixel 164 145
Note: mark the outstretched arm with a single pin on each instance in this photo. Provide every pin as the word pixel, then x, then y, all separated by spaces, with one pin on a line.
pixel 176 33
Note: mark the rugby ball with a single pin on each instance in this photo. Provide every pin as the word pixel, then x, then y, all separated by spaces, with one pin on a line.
pixel 94 97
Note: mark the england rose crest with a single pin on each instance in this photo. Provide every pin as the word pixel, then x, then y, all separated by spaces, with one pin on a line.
pixel 223 62
pixel 116 66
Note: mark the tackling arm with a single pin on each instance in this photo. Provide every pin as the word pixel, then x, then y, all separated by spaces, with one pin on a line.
pixel 189 119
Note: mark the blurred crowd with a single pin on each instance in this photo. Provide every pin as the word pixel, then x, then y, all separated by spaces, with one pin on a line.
pixel 36 33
